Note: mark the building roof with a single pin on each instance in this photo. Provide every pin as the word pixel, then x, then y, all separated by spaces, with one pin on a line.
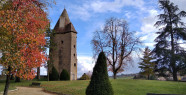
pixel 65 15
pixel 64 24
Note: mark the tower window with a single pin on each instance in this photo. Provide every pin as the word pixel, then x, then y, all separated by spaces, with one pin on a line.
pixel 74 46
pixel 74 64
pixel 61 42
pixel 74 54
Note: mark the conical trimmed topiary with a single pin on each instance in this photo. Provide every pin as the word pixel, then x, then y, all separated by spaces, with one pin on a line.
pixel 54 75
pixel 64 75
pixel 100 84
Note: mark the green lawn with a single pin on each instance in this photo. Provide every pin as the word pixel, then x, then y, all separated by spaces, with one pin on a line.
pixel 120 86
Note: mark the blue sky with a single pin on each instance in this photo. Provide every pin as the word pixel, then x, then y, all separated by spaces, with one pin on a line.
pixel 88 16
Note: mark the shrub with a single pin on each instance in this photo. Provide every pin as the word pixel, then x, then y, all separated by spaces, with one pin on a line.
pixel 64 75
pixel 54 75
pixel 152 77
pixel 84 77
pixel 17 79
pixel 139 76
pixel 100 84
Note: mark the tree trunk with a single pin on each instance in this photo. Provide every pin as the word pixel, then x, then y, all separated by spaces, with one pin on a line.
pixel 48 75
pixel 38 73
pixel 114 75
pixel 12 77
pixel 175 75
pixel 148 77
pixel 173 63
pixel 48 72
pixel 7 81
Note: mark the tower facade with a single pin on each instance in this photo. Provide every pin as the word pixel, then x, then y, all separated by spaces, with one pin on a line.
pixel 64 54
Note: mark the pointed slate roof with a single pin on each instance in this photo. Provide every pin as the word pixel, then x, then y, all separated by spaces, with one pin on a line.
pixel 64 25
pixel 65 15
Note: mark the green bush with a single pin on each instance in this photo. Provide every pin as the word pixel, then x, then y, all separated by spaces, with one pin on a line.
pixel 54 75
pixel 84 77
pixel 17 79
pixel 139 76
pixel 152 77
pixel 64 75
pixel 100 84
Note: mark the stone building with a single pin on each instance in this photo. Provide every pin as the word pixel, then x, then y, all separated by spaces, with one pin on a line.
pixel 64 54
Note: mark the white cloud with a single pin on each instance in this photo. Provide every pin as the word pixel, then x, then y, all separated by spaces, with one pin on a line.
pixel 43 71
pixel 182 44
pixel 85 64
pixel 150 44
pixel 1 68
pixel 90 8
pixel 180 3
pixel 114 6
pixel 81 12
pixel 132 67
pixel 149 21
pixel 148 30
pixel 101 6
pixel 143 38
pixel 128 14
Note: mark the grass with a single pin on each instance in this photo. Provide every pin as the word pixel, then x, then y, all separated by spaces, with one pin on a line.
pixel 120 86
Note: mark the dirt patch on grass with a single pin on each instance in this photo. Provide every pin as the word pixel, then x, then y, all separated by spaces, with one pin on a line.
pixel 28 91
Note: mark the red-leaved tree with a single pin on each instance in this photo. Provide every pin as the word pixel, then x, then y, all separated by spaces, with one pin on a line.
pixel 22 37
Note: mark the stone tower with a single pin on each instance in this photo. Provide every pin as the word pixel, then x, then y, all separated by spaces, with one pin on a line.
pixel 64 54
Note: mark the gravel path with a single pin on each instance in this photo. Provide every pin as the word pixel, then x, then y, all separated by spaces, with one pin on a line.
pixel 28 91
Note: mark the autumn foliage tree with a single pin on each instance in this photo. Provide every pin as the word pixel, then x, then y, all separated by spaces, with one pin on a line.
pixel 117 43
pixel 22 37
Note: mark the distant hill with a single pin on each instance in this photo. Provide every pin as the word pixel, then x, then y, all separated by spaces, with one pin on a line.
pixel 125 75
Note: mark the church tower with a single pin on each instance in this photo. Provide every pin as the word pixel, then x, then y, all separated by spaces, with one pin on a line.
pixel 64 54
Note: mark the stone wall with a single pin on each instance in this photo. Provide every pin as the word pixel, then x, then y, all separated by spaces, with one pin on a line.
pixel 64 54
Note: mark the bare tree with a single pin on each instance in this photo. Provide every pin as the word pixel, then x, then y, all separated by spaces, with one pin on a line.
pixel 117 43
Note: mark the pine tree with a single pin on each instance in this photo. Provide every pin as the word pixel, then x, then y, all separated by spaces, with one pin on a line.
pixel 147 66
pixel 100 84
pixel 168 51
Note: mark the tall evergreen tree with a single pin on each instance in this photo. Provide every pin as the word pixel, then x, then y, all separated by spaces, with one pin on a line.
pixel 100 84
pixel 167 49
pixel 147 65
